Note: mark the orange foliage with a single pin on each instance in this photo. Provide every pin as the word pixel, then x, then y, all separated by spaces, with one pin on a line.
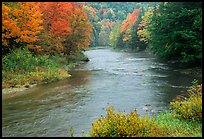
pixel 9 28
pixel 130 20
pixel 61 22
pixel 143 33
pixel 55 15
pixel 29 21
pixel 107 23
pixel 81 26
pixel 22 24
pixel 128 23
pixel 66 22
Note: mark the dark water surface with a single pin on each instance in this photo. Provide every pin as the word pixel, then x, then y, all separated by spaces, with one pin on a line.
pixel 128 81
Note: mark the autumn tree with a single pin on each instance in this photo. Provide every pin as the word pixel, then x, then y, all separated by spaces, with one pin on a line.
pixel 81 30
pixel 94 19
pixel 55 15
pixel 68 25
pixel 130 20
pixel 129 29
pixel 135 42
pixel 9 29
pixel 55 25
pixel 21 24
pixel 29 21
pixel 143 32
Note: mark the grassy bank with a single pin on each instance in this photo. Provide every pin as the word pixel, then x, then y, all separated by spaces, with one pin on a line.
pixel 22 69
pixel 185 120
pixel 176 127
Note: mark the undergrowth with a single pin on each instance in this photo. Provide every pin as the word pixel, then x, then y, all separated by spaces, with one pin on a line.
pixel 185 120
pixel 21 67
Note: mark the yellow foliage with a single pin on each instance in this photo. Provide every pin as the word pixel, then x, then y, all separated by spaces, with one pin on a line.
pixel 121 125
pixel 190 108
pixel 142 32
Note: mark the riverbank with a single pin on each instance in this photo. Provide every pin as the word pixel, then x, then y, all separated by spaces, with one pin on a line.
pixel 125 80
pixel 47 69
pixel 97 47
pixel 184 120
pixel 165 125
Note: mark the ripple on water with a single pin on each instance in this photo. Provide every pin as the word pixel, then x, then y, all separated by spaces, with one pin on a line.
pixel 128 81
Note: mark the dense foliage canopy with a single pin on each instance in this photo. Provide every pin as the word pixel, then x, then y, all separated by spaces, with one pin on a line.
pixel 45 27
pixel 172 31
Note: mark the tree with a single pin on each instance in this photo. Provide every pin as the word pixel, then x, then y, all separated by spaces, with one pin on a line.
pixel 9 29
pixel 104 36
pixel 128 28
pixel 143 32
pixel 176 31
pixel 115 33
pixel 55 23
pixel 81 30
pixel 21 24
pixel 94 19
pixel 29 21
pixel 55 16
pixel 69 24
pixel 135 43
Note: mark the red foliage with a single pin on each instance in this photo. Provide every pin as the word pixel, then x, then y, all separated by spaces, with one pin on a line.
pixel 130 20
pixel 55 17
pixel 67 22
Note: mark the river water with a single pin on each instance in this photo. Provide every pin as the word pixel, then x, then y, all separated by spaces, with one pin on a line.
pixel 125 80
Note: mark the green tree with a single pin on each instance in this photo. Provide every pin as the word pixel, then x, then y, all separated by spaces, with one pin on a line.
pixel 176 31
pixel 115 33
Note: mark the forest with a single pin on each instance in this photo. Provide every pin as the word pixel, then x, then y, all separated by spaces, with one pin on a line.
pixel 170 30
pixel 42 42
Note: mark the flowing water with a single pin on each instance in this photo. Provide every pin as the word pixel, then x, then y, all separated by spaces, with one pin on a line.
pixel 128 81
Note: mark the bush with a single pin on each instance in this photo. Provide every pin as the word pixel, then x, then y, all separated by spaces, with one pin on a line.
pixel 189 108
pixel 121 125
pixel 13 79
pixel 22 60
pixel 17 59
pixel 20 67
pixel 184 120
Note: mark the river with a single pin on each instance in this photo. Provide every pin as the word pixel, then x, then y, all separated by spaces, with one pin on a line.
pixel 128 81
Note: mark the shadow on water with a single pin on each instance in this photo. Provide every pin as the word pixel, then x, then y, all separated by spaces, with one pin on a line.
pixel 128 81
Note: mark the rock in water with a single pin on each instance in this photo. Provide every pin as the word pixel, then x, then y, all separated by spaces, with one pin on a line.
pixel 86 60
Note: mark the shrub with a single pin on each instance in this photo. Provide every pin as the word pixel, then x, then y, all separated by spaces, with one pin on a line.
pixel 22 60
pixel 20 67
pixel 13 79
pixel 121 125
pixel 17 59
pixel 190 108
